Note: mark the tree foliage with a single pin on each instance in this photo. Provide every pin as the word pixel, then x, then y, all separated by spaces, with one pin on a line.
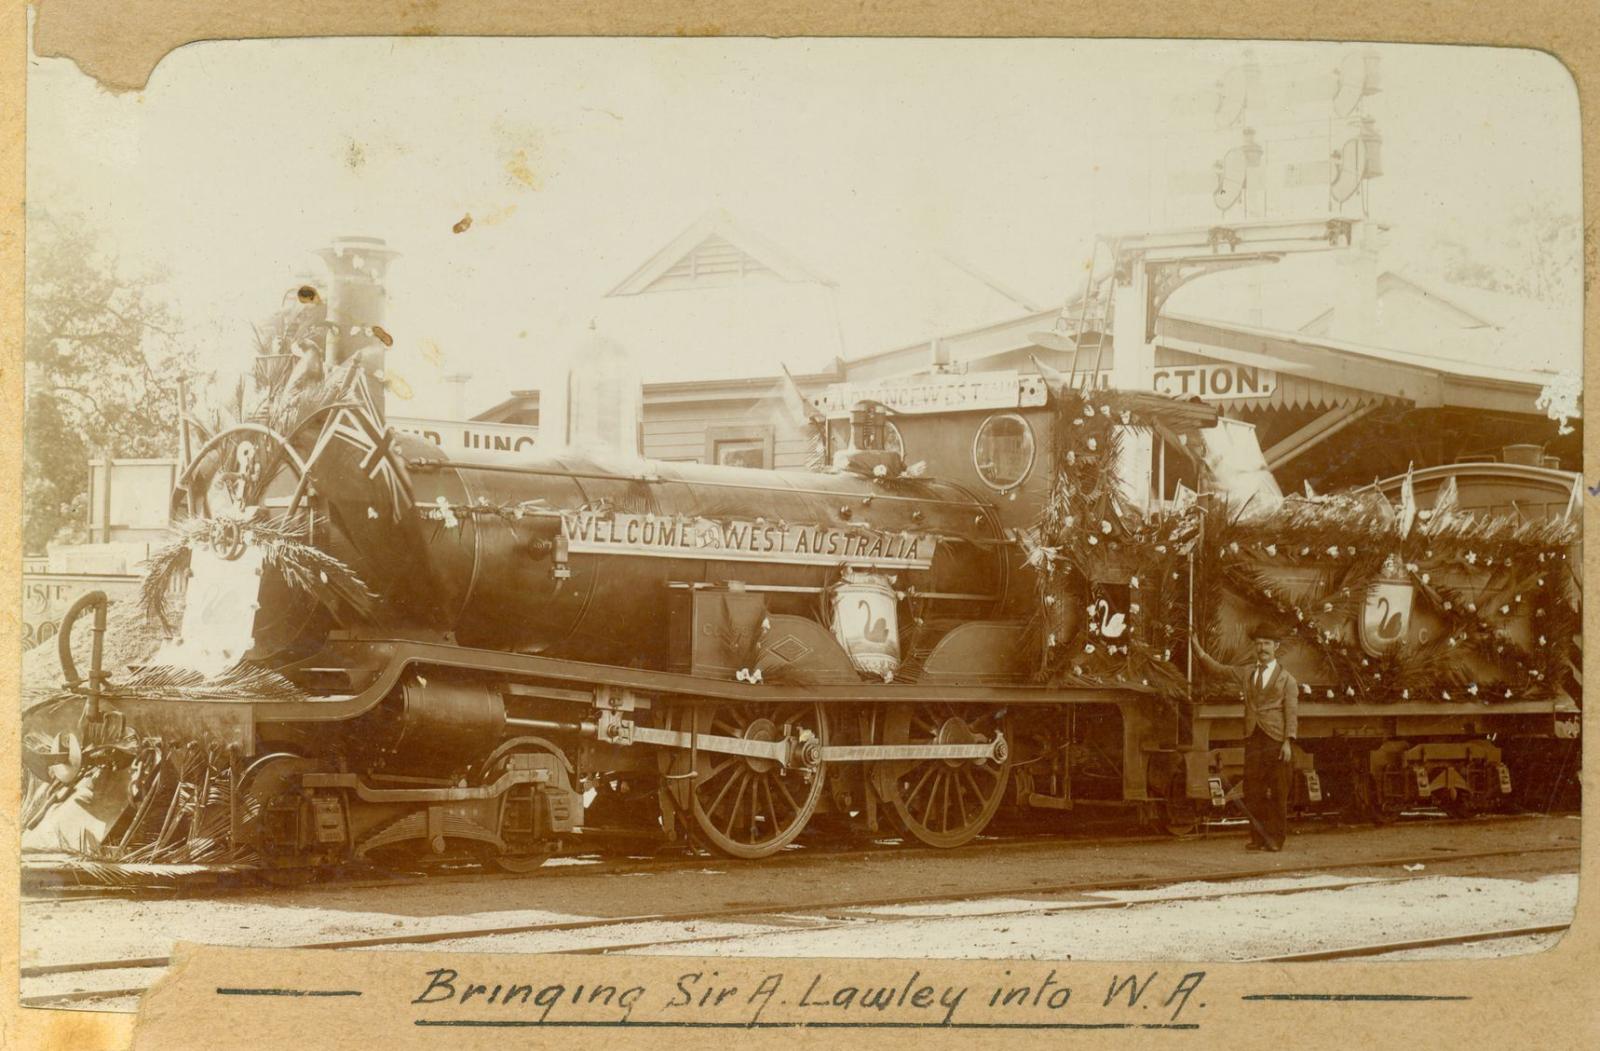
pixel 1538 254
pixel 102 364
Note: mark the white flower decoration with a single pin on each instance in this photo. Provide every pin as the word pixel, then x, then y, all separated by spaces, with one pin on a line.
pixel 1088 647
pixel 1105 526
pixel 1333 550
pixel 1272 550
pixel 1093 445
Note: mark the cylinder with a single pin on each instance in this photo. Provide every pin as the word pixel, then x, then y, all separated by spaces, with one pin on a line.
pixel 443 724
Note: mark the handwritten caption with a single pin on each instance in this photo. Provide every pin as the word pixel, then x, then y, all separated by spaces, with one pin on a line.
pixel 1024 998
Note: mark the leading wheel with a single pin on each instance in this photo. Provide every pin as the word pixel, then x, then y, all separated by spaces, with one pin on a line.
pixel 750 807
pixel 522 855
pixel 943 802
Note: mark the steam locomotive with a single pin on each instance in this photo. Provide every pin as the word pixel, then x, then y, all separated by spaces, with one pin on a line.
pixel 386 653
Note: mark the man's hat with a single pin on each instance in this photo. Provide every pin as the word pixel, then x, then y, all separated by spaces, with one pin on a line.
pixel 1267 630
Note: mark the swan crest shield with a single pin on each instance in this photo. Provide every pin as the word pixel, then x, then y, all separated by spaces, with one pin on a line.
pixel 1386 615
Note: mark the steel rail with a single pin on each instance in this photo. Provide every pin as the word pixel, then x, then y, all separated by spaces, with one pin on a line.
pixel 1384 948
pixel 824 906
pixel 80 893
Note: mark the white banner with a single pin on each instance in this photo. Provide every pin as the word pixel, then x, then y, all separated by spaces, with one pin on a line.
pixel 982 390
pixel 663 536
pixel 469 435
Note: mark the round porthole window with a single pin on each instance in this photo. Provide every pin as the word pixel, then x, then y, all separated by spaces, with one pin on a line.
pixel 1003 451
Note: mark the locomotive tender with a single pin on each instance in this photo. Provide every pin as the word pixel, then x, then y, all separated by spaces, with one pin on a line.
pixel 388 653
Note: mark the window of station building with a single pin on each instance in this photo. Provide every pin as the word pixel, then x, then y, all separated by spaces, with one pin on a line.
pixel 739 446
pixel 1002 451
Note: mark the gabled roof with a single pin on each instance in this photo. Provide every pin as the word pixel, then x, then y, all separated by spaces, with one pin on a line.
pixel 1452 301
pixel 717 244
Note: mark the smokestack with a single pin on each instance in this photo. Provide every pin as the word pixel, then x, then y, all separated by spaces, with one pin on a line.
pixel 356 302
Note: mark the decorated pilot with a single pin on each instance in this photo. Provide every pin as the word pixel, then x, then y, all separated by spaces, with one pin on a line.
pixel 1270 698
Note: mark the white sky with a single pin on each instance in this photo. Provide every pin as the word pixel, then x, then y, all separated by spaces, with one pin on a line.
pixel 239 159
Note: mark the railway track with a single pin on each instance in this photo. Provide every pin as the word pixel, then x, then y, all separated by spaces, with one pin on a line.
pixel 1386 948
pixel 47 883
pixel 832 913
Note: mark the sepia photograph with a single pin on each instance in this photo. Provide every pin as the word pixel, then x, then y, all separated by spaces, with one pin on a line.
pixel 924 500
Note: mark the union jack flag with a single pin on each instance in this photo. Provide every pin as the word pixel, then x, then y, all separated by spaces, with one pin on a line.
pixel 380 461
pixel 358 389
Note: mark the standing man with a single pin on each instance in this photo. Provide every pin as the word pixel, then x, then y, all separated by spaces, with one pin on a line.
pixel 1270 697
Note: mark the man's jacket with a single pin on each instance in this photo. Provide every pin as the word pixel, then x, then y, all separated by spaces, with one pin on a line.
pixel 1271 707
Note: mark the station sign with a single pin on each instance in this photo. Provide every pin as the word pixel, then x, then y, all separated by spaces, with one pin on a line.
pixel 472 436
pixel 955 393
pixel 1220 382
pixel 666 536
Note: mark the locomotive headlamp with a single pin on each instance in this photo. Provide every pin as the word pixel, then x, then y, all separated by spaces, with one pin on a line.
pixel 868 422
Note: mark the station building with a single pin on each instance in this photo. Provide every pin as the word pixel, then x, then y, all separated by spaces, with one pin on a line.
pixel 1350 370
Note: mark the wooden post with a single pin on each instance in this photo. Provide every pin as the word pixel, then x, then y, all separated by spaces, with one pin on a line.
pixel 105 496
